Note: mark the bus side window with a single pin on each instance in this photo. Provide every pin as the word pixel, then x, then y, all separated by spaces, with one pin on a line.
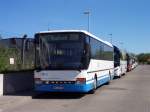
pixel 101 47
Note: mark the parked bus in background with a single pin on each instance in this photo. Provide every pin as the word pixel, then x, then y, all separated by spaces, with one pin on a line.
pixel 120 62
pixel 72 61
pixel 123 62
pixel 129 62
pixel 134 62
pixel 117 70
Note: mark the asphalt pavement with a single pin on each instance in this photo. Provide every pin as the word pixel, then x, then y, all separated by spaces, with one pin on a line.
pixel 130 93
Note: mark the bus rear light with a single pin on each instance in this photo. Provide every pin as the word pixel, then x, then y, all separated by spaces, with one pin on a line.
pixel 80 80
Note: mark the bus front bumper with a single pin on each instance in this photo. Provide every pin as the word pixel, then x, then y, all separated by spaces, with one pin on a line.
pixel 64 87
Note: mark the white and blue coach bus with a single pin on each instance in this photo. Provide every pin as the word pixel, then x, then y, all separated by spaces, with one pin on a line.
pixel 72 61
pixel 120 62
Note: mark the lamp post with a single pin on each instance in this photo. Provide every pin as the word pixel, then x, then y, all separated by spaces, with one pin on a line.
pixel 88 14
pixel 110 38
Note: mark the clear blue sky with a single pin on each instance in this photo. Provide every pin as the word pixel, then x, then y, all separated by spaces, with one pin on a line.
pixel 127 20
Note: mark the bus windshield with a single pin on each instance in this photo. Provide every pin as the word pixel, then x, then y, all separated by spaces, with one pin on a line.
pixel 61 51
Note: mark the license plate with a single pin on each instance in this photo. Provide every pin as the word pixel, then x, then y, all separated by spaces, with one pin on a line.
pixel 58 87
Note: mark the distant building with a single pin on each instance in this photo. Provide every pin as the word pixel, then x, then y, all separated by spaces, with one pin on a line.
pixel 16 54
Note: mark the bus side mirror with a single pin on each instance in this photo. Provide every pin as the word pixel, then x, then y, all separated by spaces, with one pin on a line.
pixel 87 54
pixel 88 50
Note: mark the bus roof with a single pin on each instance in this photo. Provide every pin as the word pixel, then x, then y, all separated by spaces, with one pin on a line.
pixel 82 31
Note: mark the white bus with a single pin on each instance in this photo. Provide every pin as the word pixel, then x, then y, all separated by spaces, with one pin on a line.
pixel 120 62
pixel 72 61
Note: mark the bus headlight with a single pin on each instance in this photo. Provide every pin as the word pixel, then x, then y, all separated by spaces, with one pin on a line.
pixel 80 80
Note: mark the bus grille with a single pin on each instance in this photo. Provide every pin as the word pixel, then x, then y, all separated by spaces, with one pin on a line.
pixel 59 82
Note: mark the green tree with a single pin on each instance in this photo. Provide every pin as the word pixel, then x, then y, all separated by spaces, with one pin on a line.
pixel 144 58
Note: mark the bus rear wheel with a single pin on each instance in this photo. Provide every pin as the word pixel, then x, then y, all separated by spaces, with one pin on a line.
pixel 107 83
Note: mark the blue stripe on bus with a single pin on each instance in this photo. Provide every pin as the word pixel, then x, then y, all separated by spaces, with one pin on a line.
pixel 101 81
pixel 64 87
pixel 70 87
pixel 97 77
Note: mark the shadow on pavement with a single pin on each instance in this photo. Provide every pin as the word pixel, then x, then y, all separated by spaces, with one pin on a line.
pixel 116 78
pixel 22 93
pixel 58 96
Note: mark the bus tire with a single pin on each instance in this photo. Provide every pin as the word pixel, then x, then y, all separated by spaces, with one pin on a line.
pixel 107 83
pixel 119 76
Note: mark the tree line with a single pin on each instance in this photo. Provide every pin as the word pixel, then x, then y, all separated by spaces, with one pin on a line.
pixel 143 58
